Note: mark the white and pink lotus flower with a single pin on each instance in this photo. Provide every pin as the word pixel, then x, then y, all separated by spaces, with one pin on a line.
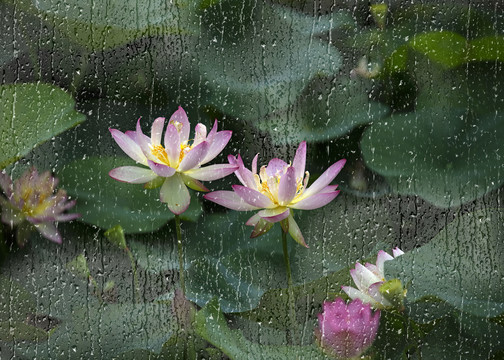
pixel 176 165
pixel 276 191
pixel 31 202
pixel 369 279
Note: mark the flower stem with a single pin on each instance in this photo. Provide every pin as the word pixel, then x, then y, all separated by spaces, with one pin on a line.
pixel 290 292
pixel 180 254
pixel 136 283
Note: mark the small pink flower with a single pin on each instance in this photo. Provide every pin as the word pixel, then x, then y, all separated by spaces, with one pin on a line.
pixel 31 199
pixel 369 278
pixel 277 189
pixel 176 165
pixel 347 330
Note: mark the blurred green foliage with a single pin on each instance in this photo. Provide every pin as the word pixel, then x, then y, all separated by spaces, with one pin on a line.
pixel 410 92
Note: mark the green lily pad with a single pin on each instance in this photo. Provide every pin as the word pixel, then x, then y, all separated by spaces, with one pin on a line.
pixel 116 327
pixel 211 325
pixel 85 325
pixel 327 109
pixel 105 24
pixel 450 339
pixel 105 202
pixel 284 53
pixel 461 265
pixel 444 47
pixel 448 151
pixel 32 114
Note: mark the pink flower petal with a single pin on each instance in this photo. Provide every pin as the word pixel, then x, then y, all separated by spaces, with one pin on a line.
pixel 180 116
pixel 161 169
pixel 218 143
pixel 253 197
pixel 230 200
pixel 67 217
pixel 254 164
pixel 157 130
pixel 6 184
pixel 274 215
pixel 193 183
pixel 287 187
pixel 132 174
pixel 299 161
pixel 212 172
pixel 363 277
pixel 380 260
pixel 323 180
pixel 315 201
pixel 295 232
pixel 10 215
pixel 276 167
pixel 132 135
pixel 243 174
pixel 143 142
pixel 49 231
pixel 211 134
pixel 172 145
pixel 200 134
pixel 328 189
pixel 253 220
pixel 374 292
pixel 193 157
pixel 357 294
pixel 175 194
pixel 397 252
pixel 130 147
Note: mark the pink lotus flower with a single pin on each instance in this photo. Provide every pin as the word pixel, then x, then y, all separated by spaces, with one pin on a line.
pixel 277 190
pixel 175 165
pixel 31 200
pixel 347 330
pixel 369 278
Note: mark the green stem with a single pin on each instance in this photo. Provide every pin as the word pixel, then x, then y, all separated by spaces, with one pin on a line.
pixel 79 74
pixel 290 290
pixel 97 290
pixel 180 254
pixel 135 276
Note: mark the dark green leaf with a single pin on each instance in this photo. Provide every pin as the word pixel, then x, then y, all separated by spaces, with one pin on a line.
pixel 461 267
pixel 284 53
pixel 448 151
pixel 104 24
pixel 30 115
pixel 326 110
pixel 444 47
pixel 211 325
pixel 19 331
pixel 15 301
pixel 105 202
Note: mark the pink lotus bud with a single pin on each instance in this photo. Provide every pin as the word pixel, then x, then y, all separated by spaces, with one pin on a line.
pixel 347 330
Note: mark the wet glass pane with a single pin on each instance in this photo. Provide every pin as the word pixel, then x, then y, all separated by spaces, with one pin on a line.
pixel 220 179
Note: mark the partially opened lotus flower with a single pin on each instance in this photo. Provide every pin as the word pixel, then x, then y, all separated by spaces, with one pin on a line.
pixel 347 330
pixel 30 202
pixel 277 189
pixel 175 165
pixel 369 279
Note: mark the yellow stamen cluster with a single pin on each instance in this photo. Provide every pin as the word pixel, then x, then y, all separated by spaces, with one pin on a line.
pixel 268 185
pixel 184 149
pixel 36 200
pixel 159 152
